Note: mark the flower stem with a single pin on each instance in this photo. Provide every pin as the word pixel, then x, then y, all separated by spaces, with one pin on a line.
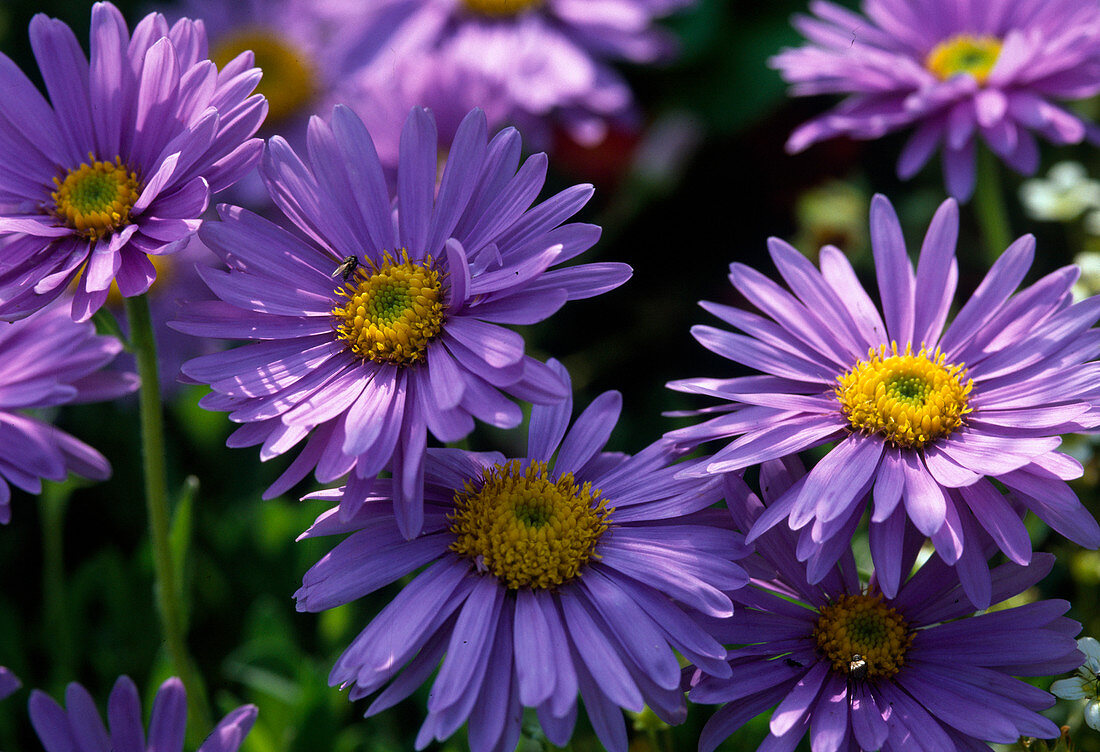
pixel 52 503
pixel 989 205
pixel 168 591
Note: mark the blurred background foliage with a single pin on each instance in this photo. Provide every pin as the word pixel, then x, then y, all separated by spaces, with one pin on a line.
pixel 704 183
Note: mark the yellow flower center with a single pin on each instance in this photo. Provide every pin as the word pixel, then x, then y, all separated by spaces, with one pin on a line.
pixel 393 310
pixel 500 7
pixel 289 81
pixel 964 53
pixel 907 399
pixel 95 199
pixel 526 529
pixel 862 636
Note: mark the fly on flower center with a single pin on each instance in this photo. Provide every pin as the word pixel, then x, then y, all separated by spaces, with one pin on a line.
pixel 862 625
pixel 95 199
pixel 964 53
pixel 289 82
pixel 909 400
pixel 525 528
pixel 393 310
pixel 500 7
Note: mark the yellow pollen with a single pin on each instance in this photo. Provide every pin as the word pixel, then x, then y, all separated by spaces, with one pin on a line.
pixel 95 199
pixel 500 7
pixel 909 400
pixel 289 82
pixel 393 310
pixel 964 53
pixel 526 529
pixel 864 626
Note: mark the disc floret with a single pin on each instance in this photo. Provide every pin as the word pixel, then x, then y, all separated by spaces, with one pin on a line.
pixel 527 529
pixel 393 310
pixel 500 7
pixel 95 199
pixel 861 633
pixel 909 400
pixel 964 53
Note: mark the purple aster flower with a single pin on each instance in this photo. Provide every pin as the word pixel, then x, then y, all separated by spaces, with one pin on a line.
pixel 541 579
pixel 382 325
pixel 47 360
pixel 122 161
pixel 862 671
pixel 9 682
pixel 955 70
pixel 925 417
pixel 81 728
pixel 546 57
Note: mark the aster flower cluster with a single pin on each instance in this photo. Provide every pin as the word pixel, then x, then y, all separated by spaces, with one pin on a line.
pixel 378 272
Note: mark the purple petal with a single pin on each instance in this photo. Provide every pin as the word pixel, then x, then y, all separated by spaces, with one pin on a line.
pixel 892 269
pixel 924 498
pixel 589 434
pixel 168 722
pixel 416 180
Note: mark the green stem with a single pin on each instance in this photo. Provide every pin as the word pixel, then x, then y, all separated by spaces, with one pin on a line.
pixel 106 323
pixel 168 591
pixel 989 205
pixel 52 503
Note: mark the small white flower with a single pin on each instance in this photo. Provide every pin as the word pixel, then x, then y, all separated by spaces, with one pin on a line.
pixel 1088 284
pixel 1062 196
pixel 1092 714
pixel 1086 685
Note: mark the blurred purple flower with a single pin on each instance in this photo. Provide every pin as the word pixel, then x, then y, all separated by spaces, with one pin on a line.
pixel 860 671
pixel 370 354
pixel 925 417
pixel 47 360
pixel 443 84
pixel 304 48
pixel 956 70
pixel 81 728
pixel 9 682
pixel 544 60
pixel 124 161
pixel 542 578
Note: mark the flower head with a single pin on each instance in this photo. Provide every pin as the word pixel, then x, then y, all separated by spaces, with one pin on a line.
pixel 381 324
pixel 80 726
pixel 543 577
pixel 120 164
pixel 47 360
pixel 957 72
pixel 545 60
pixel 925 417
pixel 1086 685
pixel 860 670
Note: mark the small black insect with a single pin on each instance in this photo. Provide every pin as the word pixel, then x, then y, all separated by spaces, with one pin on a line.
pixel 857 667
pixel 792 663
pixel 347 268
